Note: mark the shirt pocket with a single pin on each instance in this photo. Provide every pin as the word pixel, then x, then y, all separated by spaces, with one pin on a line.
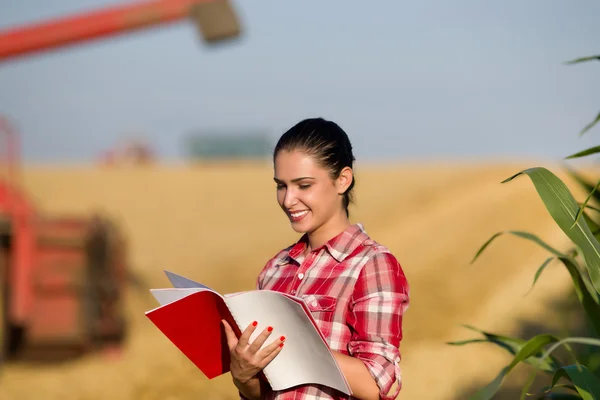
pixel 322 309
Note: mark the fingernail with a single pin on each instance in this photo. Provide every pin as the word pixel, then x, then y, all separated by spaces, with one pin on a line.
pixel 281 345
pixel 254 323
pixel 282 338
pixel 270 328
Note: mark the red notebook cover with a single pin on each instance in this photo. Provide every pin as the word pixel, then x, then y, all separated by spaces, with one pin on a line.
pixel 194 325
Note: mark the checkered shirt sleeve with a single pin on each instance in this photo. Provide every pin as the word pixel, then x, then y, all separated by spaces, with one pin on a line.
pixel 380 298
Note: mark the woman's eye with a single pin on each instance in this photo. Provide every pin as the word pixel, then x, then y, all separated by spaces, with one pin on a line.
pixel 279 187
pixel 304 187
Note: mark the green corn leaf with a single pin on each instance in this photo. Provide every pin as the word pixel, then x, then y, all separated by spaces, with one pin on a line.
pixel 539 272
pixel 590 125
pixel 531 347
pixel 590 207
pixel 584 289
pixel 469 341
pixel 583 59
pixel 580 340
pixel 579 179
pixel 585 293
pixel 583 153
pixel 592 361
pixel 587 385
pixel 513 346
pixel 524 235
pixel 528 384
pixel 582 207
pixel 594 227
pixel 563 208
pixel 545 392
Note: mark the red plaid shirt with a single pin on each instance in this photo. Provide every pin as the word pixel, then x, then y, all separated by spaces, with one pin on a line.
pixel 357 293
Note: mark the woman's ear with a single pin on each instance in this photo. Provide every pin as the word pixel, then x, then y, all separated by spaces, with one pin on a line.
pixel 344 180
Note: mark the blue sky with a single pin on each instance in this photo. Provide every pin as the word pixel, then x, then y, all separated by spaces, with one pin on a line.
pixel 407 80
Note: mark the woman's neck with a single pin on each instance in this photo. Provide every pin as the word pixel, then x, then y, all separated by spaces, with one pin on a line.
pixel 327 231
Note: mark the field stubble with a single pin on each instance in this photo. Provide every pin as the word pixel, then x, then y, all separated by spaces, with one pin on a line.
pixel 220 224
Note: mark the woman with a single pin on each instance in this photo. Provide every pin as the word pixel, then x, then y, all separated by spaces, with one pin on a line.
pixel 355 287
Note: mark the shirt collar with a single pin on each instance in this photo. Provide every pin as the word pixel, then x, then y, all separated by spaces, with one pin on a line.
pixel 340 247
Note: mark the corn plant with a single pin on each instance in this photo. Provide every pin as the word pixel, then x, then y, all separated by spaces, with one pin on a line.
pixel 578 378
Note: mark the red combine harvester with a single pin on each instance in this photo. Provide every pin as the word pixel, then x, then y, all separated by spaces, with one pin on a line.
pixel 63 279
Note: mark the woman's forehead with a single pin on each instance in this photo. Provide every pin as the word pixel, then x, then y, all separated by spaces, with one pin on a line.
pixel 295 164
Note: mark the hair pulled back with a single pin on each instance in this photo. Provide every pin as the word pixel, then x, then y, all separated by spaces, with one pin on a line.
pixel 326 142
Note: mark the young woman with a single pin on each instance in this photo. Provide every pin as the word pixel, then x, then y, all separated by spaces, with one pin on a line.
pixel 354 286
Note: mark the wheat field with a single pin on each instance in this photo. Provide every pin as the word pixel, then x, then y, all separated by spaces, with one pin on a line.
pixel 220 223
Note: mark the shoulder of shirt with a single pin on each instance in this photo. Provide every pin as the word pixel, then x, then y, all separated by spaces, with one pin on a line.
pixel 374 249
pixel 380 256
pixel 280 257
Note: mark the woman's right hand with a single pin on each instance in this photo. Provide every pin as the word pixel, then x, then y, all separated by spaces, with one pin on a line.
pixel 248 359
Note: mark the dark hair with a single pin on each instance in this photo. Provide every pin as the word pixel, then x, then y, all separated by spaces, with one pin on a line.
pixel 326 142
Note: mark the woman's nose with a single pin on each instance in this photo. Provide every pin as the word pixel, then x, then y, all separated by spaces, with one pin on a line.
pixel 289 199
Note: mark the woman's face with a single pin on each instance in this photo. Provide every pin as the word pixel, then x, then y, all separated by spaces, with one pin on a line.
pixel 306 192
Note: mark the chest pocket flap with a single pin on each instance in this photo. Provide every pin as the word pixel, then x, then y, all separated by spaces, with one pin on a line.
pixel 317 302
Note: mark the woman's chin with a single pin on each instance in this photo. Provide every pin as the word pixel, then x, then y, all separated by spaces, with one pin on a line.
pixel 300 226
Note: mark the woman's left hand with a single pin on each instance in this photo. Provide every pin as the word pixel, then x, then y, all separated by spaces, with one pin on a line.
pixel 248 359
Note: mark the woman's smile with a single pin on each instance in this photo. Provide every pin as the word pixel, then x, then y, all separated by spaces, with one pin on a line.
pixel 297 216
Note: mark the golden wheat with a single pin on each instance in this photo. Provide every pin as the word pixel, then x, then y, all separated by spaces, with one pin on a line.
pixel 219 224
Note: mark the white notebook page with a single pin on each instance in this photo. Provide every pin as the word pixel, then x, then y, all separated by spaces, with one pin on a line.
pixel 304 357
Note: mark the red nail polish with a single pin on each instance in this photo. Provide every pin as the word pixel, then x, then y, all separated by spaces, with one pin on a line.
pixel 254 323
pixel 270 328
pixel 281 345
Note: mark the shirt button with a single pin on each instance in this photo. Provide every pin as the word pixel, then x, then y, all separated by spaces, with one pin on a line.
pixel 300 275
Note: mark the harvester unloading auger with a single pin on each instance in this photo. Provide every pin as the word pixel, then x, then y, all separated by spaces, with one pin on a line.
pixel 62 279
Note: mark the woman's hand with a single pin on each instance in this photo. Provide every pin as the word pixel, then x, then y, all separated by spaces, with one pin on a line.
pixel 248 359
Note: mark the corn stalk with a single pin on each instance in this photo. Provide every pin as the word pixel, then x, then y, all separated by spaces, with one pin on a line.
pixel 578 378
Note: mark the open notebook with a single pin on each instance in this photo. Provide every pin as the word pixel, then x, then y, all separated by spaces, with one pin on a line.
pixel 190 316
